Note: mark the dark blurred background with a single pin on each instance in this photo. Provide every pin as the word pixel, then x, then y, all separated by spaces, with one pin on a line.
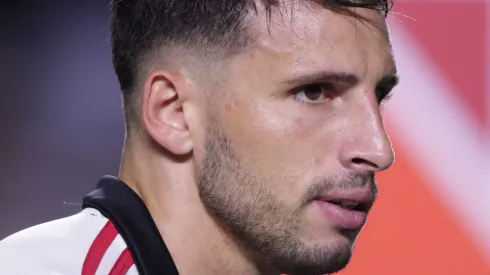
pixel 60 108
pixel 61 129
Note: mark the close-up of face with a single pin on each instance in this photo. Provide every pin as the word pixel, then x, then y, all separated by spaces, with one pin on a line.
pixel 296 136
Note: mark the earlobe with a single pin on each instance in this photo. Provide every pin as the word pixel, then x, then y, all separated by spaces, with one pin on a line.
pixel 162 113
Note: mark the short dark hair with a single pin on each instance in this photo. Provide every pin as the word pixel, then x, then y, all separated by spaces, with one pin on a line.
pixel 140 28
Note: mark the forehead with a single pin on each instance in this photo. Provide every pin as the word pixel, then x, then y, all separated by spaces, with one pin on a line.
pixel 311 37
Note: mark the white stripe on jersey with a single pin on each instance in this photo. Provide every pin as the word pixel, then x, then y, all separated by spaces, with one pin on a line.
pixel 132 270
pixel 111 255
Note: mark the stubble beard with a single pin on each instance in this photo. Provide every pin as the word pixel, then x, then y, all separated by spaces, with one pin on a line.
pixel 265 228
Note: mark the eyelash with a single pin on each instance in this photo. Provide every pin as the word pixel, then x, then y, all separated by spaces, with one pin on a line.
pixel 383 94
pixel 327 90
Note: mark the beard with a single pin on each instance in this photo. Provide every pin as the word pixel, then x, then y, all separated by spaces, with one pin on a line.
pixel 242 200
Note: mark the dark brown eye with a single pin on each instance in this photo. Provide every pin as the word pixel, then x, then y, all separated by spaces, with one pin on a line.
pixel 313 94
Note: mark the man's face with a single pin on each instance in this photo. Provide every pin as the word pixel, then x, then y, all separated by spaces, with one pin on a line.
pixel 293 143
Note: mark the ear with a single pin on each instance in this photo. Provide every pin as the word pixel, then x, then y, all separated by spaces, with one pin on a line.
pixel 162 112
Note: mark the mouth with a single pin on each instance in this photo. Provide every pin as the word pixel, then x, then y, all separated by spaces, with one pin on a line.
pixel 347 210
pixel 350 205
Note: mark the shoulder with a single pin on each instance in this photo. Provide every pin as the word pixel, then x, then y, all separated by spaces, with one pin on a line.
pixel 56 247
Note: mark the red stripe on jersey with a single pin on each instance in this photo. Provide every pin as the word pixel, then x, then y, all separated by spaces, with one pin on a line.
pixel 123 263
pixel 98 248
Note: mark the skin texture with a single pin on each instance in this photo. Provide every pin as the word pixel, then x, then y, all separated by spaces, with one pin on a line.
pixel 230 171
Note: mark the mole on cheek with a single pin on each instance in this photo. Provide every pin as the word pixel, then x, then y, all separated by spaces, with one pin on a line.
pixel 228 107
pixel 231 106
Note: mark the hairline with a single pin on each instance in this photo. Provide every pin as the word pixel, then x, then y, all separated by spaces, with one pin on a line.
pixel 189 56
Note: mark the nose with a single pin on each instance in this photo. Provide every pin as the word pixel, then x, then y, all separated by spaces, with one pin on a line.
pixel 366 146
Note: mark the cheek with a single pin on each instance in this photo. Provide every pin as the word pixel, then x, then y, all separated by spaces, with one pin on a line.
pixel 283 146
pixel 295 132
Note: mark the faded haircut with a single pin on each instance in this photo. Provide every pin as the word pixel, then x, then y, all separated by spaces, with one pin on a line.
pixel 142 30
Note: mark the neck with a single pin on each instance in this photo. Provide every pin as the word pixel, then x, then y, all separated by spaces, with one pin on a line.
pixel 197 242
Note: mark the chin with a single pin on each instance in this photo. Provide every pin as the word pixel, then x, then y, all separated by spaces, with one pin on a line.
pixel 328 235
pixel 320 255
pixel 323 258
pixel 335 243
pixel 351 235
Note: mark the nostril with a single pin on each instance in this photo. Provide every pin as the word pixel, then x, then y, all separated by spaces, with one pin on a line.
pixel 361 161
pixel 358 161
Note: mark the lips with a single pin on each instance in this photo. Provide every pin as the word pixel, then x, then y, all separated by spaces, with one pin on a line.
pixel 346 210
pixel 355 199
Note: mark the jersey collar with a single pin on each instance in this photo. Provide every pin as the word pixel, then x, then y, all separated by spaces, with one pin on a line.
pixel 116 201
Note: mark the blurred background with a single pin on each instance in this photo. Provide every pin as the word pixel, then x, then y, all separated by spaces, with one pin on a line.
pixel 61 129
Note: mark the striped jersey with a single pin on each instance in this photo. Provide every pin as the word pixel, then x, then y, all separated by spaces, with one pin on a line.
pixel 113 234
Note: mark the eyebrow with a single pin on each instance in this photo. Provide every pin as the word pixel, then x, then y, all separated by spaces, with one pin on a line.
pixel 348 78
pixel 324 76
